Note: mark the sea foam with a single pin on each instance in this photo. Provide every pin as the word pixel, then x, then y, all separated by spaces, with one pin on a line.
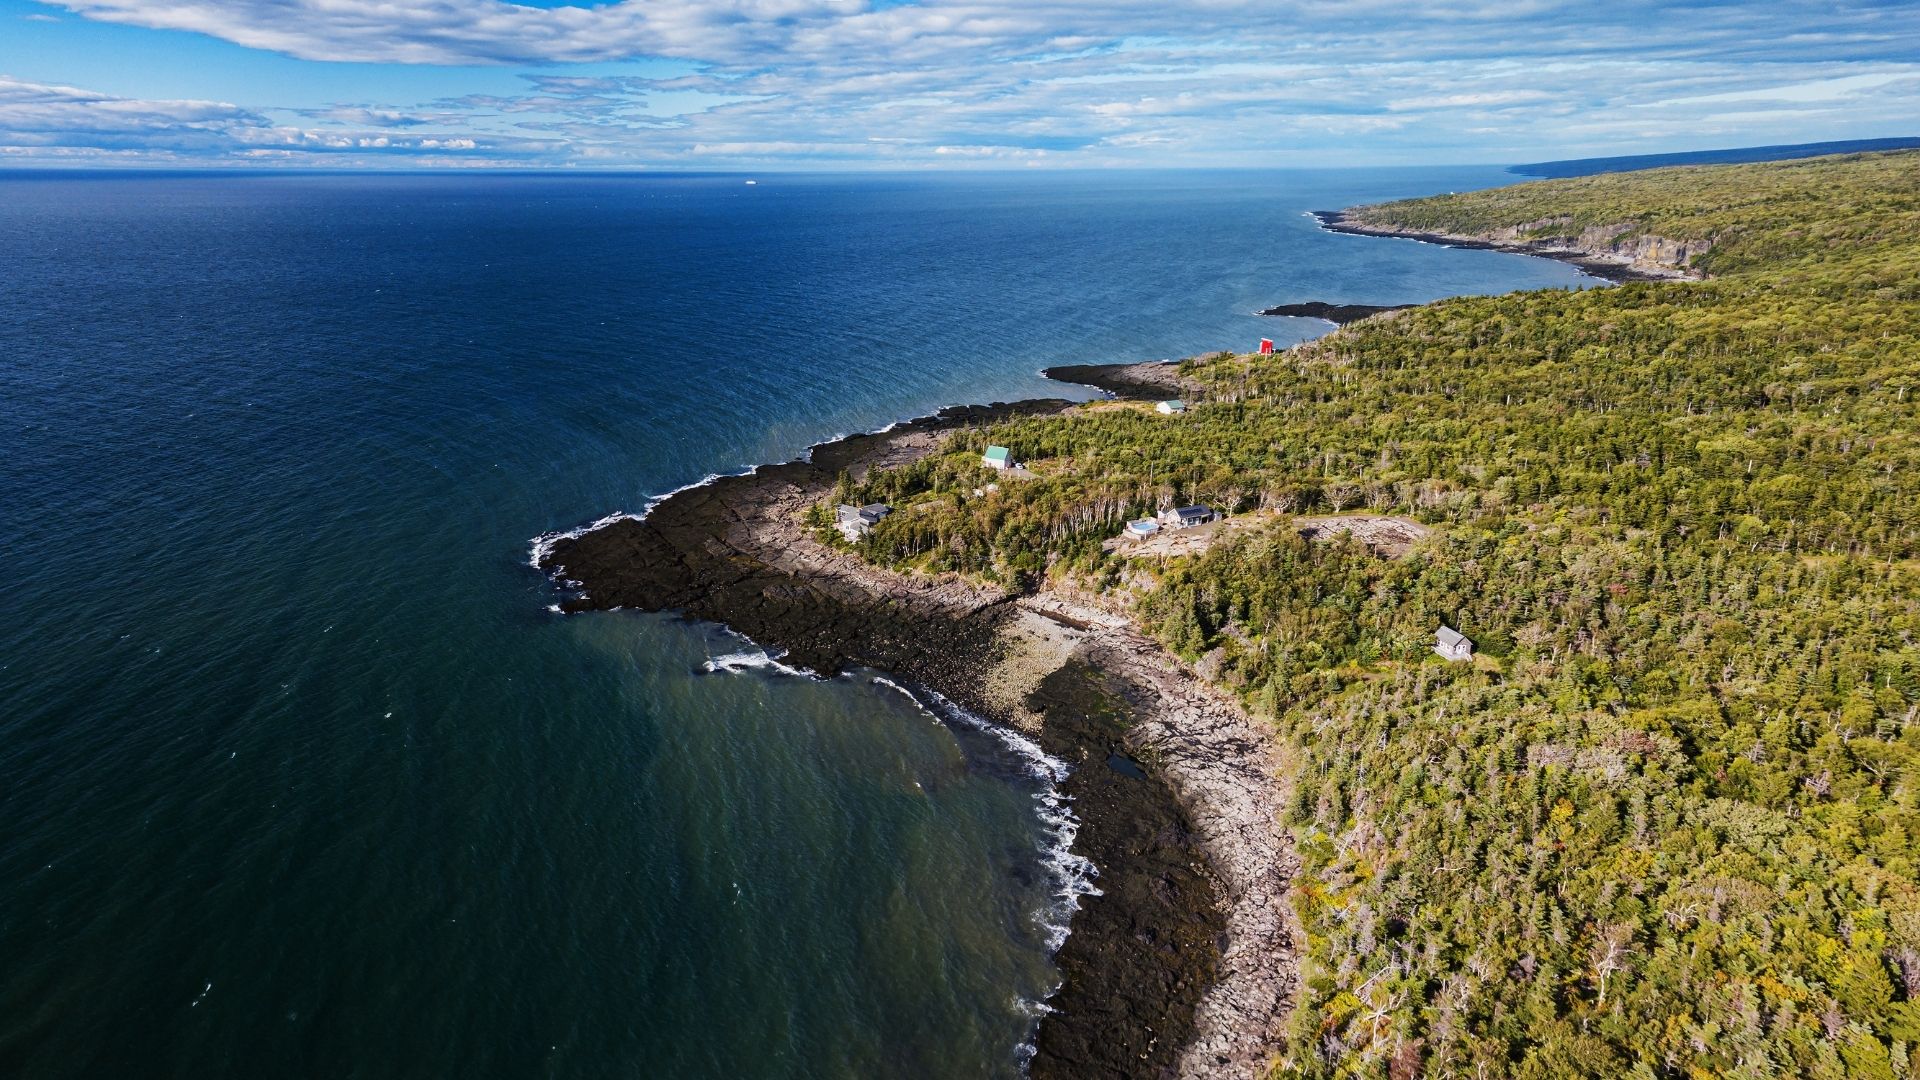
pixel 754 660
pixel 542 546
pixel 1071 876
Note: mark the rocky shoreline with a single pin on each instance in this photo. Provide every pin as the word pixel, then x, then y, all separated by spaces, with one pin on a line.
pixel 1337 314
pixel 1183 965
pixel 1133 382
pixel 1601 262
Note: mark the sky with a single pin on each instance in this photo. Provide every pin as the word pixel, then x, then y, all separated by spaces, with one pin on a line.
pixel 880 84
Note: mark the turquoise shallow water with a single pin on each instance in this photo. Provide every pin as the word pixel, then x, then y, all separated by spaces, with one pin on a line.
pixel 298 774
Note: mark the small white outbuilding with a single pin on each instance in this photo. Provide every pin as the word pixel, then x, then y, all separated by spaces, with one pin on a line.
pixel 1451 644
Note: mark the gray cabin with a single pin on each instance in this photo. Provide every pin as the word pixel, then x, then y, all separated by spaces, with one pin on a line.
pixel 854 521
pixel 1186 517
pixel 1451 644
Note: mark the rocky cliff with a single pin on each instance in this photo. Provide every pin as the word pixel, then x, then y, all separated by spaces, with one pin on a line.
pixel 1618 251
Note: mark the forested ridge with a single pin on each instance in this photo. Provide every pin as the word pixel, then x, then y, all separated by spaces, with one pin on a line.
pixel 1665 824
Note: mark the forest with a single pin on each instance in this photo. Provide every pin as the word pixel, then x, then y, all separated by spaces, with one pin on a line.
pixel 1664 824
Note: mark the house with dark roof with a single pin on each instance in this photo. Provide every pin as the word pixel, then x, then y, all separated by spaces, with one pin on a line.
pixel 1186 517
pixel 854 521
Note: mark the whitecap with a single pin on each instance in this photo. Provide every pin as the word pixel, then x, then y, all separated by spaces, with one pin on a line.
pixel 753 658
pixel 1030 1007
pixel 882 680
pixel 542 545
pixel 1034 1010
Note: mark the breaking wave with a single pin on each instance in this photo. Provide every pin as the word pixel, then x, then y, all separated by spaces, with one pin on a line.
pixel 753 660
pixel 1070 876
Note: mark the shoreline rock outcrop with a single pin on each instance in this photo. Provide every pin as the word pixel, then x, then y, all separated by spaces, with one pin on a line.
pixel 1337 314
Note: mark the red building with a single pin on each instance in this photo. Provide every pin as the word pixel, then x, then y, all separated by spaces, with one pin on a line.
pixel 1266 346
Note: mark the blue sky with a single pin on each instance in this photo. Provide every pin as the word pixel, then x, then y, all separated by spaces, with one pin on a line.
pixel 852 84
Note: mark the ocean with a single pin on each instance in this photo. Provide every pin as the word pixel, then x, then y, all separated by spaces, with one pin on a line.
pixel 299 774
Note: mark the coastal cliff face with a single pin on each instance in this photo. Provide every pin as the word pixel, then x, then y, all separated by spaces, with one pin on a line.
pixel 1621 240
pixel 1647 252
pixel 1619 251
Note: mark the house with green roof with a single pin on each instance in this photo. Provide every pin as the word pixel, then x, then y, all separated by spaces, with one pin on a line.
pixel 997 457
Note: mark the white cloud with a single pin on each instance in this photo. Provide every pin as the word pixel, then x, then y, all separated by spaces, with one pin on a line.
pixel 1082 81
pixel 369 116
pixel 477 31
pixel 749 34
pixel 34 114
pixel 1481 100
pixel 1817 90
pixel 62 121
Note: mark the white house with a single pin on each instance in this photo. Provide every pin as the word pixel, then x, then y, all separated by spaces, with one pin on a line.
pixel 1451 644
pixel 1173 407
pixel 854 521
pixel 997 457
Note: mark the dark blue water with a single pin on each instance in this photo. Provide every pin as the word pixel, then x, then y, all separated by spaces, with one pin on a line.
pixel 298 776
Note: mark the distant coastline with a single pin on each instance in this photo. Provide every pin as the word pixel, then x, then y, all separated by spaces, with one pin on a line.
pixel 1734 156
